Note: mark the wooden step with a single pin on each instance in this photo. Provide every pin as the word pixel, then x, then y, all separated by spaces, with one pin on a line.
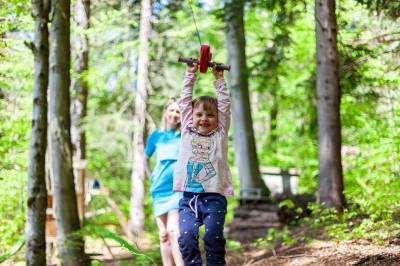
pixel 246 224
pixel 271 207
pixel 256 215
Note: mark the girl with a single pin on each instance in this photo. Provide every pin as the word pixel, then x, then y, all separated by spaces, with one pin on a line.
pixel 202 171
pixel 165 202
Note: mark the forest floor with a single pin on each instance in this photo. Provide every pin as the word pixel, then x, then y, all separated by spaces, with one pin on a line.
pixel 353 252
pixel 358 252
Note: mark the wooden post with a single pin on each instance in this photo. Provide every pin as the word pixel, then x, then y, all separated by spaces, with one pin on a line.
pixel 286 183
pixel 80 174
pixel 286 176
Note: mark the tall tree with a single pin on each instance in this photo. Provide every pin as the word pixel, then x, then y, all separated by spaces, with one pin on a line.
pixel 243 134
pixel 37 192
pixel 330 187
pixel 80 88
pixel 136 219
pixel 71 247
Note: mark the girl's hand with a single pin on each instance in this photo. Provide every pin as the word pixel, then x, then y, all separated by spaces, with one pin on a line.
pixel 218 73
pixel 192 68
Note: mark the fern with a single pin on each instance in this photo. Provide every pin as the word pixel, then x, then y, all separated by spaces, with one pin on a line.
pixel 14 249
pixel 97 231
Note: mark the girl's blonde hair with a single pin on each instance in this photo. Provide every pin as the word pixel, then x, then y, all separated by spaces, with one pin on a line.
pixel 164 119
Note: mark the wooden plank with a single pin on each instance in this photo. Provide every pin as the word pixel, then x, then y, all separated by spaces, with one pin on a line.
pixel 256 214
pixel 238 224
pixel 270 170
pixel 259 206
pixel 79 166
pixel 286 175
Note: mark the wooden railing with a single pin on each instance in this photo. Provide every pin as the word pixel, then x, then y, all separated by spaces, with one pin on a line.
pixel 286 176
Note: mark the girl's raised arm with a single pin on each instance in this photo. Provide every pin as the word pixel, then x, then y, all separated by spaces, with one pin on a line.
pixel 224 102
pixel 185 102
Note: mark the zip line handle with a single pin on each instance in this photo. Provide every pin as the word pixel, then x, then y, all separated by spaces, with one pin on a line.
pixel 189 60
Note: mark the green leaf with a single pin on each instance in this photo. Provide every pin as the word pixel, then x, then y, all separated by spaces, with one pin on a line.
pixel 14 249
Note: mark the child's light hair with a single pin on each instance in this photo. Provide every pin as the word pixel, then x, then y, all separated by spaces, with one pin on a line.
pixel 209 103
pixel 164 118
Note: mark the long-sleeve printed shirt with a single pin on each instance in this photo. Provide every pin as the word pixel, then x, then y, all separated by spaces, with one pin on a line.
pixel 203 164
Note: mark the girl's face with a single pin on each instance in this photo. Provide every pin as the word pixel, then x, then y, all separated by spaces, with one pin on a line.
pixel 172 116
pixel 204 120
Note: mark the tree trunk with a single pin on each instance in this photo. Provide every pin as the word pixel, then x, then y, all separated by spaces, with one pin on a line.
pixel 243 135
pixel 37 192
pixel 70 244
pixel 136 219
pixel 80 84
pixel 79 99
pixel 273 117
pixel 330 187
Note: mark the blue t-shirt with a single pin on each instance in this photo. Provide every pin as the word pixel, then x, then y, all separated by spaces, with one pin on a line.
pixel 166 146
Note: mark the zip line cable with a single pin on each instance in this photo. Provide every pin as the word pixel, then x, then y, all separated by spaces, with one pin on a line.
pixel 194 20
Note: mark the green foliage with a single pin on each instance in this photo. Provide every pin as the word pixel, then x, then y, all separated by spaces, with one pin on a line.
pixel 388 8
pixel 15 111
pixel 12 208
pixel 233 245
pixel 14 249
pixel 14 14
pixel 275 237
pixel 101 232
pixel 286 203
pixel 353 224
pixel 327 224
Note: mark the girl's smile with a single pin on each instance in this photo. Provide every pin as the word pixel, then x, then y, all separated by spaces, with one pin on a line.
pixel 205 120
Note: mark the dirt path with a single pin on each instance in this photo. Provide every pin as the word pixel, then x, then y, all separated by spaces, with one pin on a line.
pixel 360 252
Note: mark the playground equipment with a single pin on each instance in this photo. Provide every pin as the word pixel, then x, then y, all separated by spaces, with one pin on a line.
pixel 205 60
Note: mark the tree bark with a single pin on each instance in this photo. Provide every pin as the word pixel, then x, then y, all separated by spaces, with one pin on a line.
pixel 80 96
pixel 80 84
pixel 330 187
pixel 136 219
pixel 243 134
pixel 70 244
pixel 37 192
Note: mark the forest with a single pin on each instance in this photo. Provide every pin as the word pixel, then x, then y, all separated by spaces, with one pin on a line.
pixel 313 147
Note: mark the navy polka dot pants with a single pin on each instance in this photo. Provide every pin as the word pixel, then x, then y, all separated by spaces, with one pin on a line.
pixel 196 209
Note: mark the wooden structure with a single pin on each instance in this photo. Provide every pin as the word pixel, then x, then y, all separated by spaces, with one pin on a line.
pixel 252 220
pixel 287 178
pixel 83 195
pixel 51 226
pixel 256 214
pixel 80 176
pixel 79 173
